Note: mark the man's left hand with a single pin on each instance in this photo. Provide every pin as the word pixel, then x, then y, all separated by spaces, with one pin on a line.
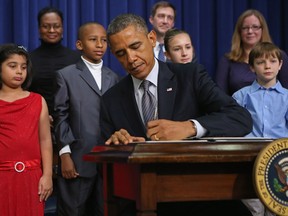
pixel 170 130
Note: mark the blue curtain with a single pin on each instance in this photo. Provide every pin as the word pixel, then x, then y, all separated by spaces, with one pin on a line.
pixel 209 22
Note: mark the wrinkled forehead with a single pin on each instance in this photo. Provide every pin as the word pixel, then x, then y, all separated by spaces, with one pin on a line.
pixel 131 29
pixel 165 11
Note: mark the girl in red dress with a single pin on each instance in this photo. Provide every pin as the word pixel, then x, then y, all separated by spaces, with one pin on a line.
pixel 25 139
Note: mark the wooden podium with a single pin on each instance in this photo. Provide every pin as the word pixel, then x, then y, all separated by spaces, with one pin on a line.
pixel 152 172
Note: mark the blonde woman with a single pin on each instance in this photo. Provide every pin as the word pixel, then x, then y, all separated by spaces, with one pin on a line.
pixel 233 70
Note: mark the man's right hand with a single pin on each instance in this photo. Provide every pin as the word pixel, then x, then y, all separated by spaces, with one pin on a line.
pixel 123 137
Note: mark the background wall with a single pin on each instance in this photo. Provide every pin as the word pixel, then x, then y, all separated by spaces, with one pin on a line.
pixel 209 22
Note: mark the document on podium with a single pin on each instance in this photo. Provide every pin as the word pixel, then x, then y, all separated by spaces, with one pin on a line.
pixel 212 139
pixel 237 139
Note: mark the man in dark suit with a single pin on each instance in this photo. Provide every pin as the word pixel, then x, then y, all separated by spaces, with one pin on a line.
pixel 77 108
pixel 189 102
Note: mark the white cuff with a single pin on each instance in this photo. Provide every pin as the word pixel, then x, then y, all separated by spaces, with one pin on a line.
pixel 201 131
pixel 65 149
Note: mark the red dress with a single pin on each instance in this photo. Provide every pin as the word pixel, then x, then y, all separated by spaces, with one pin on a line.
pixel 19 143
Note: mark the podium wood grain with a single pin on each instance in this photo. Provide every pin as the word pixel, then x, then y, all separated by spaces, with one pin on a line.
pixel 177 171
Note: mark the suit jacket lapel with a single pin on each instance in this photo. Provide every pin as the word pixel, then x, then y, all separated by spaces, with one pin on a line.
pixel 88 77
pixel 167 87
pixel 130 109
pixel 106 79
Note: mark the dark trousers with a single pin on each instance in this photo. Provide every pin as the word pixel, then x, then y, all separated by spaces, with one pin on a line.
pixel 80 196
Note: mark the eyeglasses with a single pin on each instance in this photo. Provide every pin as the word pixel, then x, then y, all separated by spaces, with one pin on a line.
pixel 253 27
pixel 48 26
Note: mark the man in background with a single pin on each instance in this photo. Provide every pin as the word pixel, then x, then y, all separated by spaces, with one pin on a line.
pixel 162 19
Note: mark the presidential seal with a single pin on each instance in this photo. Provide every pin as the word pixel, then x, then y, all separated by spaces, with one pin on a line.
pixel 271 176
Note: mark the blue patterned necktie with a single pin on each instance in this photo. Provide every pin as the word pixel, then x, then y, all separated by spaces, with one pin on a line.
pixel 148 102
pixel 161 55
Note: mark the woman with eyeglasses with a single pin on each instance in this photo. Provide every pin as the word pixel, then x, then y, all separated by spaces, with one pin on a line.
pixel 51 55
pixel 233 70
